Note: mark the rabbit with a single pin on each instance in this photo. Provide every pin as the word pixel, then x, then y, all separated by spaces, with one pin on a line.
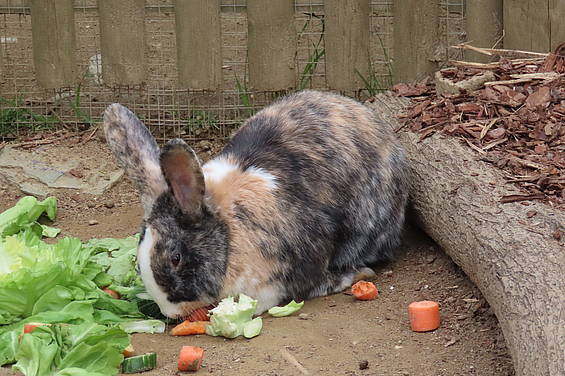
pixel 308 194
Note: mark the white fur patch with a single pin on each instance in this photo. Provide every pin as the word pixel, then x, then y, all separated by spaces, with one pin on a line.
pixel 270 179
pixel 217 169
pixel 144 260
pixel 267 296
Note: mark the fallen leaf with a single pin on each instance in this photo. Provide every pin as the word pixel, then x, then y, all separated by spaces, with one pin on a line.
pixel 496 133
pixel 539 98
pixel 468 107
pixel 540 148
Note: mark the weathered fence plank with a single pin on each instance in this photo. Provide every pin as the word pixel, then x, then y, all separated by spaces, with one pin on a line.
pixel 199 43
pixel 557 19
pixel 416 38
pixel 527 25
pixel 347 43
pixel 484 27
pixel 271 44
pixel 53 42
pixel 122 41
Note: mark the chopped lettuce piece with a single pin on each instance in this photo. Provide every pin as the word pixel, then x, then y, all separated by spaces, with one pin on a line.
pixel 253 328
pixel 229 319
pixel 143 326
pixel 287 310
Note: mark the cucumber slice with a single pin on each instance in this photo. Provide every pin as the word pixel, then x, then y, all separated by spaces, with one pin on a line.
pixel 139 363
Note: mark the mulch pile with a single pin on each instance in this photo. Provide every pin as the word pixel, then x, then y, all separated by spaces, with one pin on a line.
pixel 516 121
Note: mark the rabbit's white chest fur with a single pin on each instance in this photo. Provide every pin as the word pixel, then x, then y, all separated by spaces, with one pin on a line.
pixel 267 294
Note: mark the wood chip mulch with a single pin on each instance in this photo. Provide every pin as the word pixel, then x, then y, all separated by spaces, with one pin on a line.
pixel 516 122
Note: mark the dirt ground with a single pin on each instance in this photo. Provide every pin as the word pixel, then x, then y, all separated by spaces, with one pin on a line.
pixel 335 335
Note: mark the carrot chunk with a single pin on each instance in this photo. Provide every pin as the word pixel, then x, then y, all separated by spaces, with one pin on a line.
pixel 190 358
pixel 128 351
pixel 424 315
pixel 187 328
pixel 112 293
pixel 199 314
pixel 364 290
pixel 28 328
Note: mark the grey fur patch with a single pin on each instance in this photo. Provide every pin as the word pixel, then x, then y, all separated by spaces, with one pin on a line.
pixel 136 151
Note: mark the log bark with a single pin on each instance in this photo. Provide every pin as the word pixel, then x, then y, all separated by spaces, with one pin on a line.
pixel 514 260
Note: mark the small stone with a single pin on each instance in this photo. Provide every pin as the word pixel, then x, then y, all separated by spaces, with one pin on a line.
pixel 364 364
pixel 398 347
pixel 388 273
pixel 91 204
pixel 304 316
pixel 450 342
pixel 430 259
pixel 92 222
pixel 76 173
pixel 109 204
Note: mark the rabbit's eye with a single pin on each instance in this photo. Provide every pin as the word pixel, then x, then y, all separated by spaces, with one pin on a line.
pixel 175 258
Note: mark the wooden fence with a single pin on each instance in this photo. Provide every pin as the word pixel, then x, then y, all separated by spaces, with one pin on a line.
pixel 534 25
pixel 530 25
pixel 271 43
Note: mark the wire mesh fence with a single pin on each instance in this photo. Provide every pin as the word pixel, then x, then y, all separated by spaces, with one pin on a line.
pixel 166 109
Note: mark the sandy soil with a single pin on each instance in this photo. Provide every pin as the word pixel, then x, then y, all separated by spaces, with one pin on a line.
pixel 338 334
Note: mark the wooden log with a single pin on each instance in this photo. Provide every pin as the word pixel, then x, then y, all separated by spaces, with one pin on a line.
pixel 514 260
pixel 347 43
pixel 271 44
pixel 416 39
pixel 199 43
pixel 122 41
pixel 527 25
pixel 53 42
pixel 484 27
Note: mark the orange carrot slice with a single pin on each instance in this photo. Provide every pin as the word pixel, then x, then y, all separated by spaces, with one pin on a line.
pixel 364 290
pixel 199 314
pixel 190 358
pixel 28 328
pixel 112 293
pixel 187 328
pixel 128 351
pixel 424 315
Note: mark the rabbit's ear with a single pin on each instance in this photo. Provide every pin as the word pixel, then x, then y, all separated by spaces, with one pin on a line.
pixel 183 173
pixel 136 151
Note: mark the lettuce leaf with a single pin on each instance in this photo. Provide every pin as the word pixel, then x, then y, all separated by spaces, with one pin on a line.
pixel 86 349
pixel 26 211
pixel 253 328
pixel 143 326
pixel 286 310
pixel 60 284
pixel 232 319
